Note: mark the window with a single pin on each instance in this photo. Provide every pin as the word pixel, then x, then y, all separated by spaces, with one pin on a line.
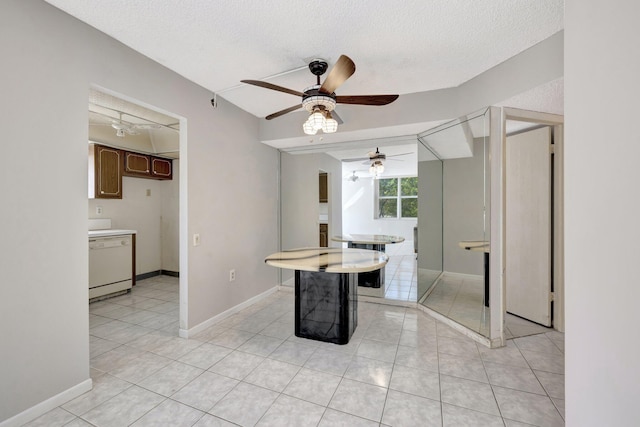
pixel 397 197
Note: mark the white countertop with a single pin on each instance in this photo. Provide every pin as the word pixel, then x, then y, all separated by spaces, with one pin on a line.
pixel 330 260
pixel 374 239
pixel 110 232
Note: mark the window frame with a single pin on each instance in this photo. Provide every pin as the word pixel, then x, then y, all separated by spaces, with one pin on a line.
pixel 399 197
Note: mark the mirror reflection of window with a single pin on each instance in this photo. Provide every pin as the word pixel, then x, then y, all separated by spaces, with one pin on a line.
pixel 397 197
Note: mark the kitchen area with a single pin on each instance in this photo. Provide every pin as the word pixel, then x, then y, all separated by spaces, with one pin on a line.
pixel 133 195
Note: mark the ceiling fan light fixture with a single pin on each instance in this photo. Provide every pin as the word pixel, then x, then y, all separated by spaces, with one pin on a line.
pixel 120 133
pixel 330 125
pixel 317 120
pixel 377 168
pixel 308 128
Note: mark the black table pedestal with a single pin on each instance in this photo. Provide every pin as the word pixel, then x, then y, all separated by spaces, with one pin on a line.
pixel 326 306
pixel 370 279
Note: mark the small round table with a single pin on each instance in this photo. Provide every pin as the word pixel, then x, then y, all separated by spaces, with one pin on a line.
pixel 376 242
pixel 326 297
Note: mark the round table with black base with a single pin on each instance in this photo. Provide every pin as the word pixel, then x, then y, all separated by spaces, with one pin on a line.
pixel 374 242
pixel 326 297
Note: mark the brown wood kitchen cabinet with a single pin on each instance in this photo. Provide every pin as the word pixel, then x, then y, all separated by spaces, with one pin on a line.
pixel 161 168
pixel 105 172
pixel 324 235
pixel 136 164
pixel 324 191
pixel 147 166
pixel 107 166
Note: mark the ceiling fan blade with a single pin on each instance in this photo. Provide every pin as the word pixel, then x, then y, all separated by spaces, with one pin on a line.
pixel 341 71
pixel 396 155
pixel 366 99
pixel 357 159
pixel 272 87
pixel 283 112
pixel 336 117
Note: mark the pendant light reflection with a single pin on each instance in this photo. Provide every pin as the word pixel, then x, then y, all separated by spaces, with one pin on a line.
pixel 376 169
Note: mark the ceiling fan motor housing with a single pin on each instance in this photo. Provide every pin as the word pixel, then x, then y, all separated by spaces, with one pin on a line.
pixel 318 67
pixel 313 97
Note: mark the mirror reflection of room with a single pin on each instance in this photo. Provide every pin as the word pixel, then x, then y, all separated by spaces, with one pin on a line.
pixel 453 221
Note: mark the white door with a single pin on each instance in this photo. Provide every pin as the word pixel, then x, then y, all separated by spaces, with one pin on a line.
pixel 528 225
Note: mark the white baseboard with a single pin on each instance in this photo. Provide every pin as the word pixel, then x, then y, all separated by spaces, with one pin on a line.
pixel 49 404
pixel 462 275
pixel 384 301
pixel 285 288
pixel 186 333
pixel 290 282
pixel 458 327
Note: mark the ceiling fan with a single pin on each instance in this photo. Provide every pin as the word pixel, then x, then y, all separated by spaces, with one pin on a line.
pixel 376 160
pixel 122 126
pixel 354 177
pixel 320 99
pixel 376 156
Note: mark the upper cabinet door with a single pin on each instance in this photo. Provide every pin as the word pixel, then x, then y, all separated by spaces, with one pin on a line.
pixel 161 168
pixel 136 164
pixel 105 172
pixel 324 189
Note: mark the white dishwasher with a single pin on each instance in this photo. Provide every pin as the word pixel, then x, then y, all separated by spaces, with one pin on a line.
pixel 110 264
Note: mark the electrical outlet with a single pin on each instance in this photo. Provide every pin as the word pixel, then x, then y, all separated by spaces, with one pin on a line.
pixel 196 239
pixel 232 275
pixel 98 210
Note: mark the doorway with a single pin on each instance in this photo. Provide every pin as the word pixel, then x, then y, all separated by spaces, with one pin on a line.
pixel 148 205
pixel 520 120
pixel 529 225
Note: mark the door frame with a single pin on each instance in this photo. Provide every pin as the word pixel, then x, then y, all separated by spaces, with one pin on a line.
pixel 498 139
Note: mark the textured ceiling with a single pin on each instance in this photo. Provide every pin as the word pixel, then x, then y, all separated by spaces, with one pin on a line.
pixel 398 47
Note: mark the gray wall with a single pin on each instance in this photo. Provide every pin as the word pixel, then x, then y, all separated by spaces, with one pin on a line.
pixel 230 197
pixel 602 231
pixel 429 222
pixel 463 204
pixel 299 195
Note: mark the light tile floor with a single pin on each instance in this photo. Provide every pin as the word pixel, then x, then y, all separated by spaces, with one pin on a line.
pixel 401 368
pixel 401 277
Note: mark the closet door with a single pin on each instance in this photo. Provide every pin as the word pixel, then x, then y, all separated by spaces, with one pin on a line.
pixel 528 234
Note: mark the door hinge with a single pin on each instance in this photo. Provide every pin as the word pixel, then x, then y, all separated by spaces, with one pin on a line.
pixel 551 296
pixel 552 148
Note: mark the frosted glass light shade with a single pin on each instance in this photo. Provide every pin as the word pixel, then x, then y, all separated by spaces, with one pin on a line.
pixel 330 126
pixel 308 128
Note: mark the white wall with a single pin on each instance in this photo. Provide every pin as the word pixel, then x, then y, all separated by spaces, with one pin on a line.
pixel 142 213
pixel 358 210
pixel 602 212
pixel 230 182
pixel 170 221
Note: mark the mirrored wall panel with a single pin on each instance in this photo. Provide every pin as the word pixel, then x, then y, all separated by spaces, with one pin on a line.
pixel 429 236
pixel 460 290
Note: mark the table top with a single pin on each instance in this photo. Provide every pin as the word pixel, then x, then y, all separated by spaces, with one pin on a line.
pixel 109 233
pixel 330 260
pixel 475 245
pixel 374 239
